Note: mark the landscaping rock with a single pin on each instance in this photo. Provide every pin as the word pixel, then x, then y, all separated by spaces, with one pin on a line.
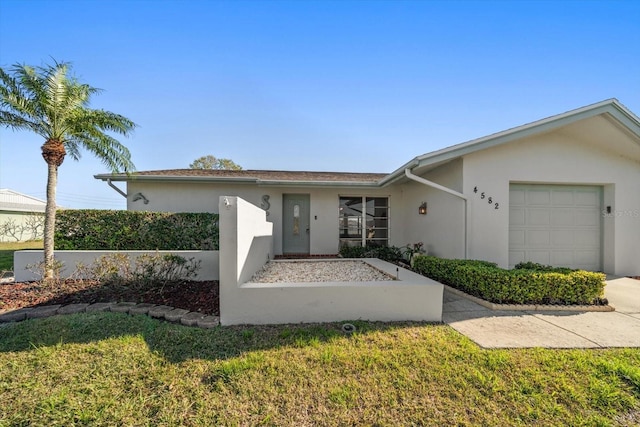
pixel 43 311
pixel 160 311
pixel 99 306
pixel 73 308
pixel 175 315
pixel 15 315
pixel 122 307
pixel 191 319
pixel 208 322
pixel 142 308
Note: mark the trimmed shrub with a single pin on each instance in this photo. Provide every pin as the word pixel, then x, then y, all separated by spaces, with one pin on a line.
pixel 129 230
pixel 528 284
pixel 386 253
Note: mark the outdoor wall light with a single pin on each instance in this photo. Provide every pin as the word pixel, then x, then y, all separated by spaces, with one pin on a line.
pixel 140 196
pixel 422 209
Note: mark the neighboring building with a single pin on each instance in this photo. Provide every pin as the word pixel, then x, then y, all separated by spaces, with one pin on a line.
pixel 562 191
pixel 21 217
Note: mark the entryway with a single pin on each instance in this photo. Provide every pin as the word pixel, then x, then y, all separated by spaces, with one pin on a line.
pixel 295 224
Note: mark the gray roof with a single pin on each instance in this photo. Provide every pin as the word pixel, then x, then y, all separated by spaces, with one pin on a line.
pixel 264 177
pixel 17 202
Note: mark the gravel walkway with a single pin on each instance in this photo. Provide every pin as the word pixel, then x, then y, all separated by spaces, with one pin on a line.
pixel 318 271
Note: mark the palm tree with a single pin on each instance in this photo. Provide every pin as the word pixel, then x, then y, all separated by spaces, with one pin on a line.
pixel 51 103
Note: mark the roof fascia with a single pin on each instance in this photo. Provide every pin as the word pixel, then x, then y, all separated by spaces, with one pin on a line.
pixel 169 178
pixel 273 183
pixel 610 106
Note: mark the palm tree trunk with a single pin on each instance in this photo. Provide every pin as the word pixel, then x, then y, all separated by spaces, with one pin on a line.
pixel 50 221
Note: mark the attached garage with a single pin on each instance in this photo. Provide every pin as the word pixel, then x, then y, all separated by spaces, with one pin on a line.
pixel 557 225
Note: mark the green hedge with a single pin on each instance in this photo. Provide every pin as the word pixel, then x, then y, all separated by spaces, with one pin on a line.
pixel 128 230
pixel 528 284
pixel 386 253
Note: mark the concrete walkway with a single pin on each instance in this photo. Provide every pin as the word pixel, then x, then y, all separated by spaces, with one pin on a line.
pixel 551 329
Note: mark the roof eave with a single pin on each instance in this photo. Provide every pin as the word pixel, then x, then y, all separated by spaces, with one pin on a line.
pixel 237 180
pixel 611 107
pixel 172 178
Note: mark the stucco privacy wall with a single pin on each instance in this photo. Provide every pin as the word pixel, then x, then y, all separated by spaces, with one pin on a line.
pixel 441 229
pixel 24 261
pixel 204 197
pixel 244 243
pixel 555 158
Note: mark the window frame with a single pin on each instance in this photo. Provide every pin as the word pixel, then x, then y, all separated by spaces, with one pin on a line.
pixel 361 237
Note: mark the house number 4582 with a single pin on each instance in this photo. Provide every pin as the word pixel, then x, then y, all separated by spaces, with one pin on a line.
pixel 483 196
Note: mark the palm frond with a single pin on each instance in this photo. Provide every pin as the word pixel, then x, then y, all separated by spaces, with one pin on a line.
pixel 49 102
pixel 109 150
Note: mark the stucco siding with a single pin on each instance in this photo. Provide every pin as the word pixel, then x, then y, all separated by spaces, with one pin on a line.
pixel 554 158
pixel 441 230
pixel 203 197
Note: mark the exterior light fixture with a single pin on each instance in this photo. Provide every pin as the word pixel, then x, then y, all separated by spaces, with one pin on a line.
pixel 422 209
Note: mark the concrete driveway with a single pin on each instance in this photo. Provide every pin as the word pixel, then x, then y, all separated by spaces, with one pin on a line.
pixel 551 329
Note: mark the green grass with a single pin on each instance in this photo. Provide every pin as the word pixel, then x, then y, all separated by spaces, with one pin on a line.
pixel 114 369
pixel 8 248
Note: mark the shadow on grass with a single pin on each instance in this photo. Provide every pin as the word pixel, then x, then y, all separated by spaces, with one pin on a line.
pixel 175 342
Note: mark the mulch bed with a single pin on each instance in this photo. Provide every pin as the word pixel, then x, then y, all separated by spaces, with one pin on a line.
pixel 200 297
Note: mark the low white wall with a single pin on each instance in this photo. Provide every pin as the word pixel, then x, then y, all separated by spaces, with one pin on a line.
pixel 209 262
pixel 412 297
pixel 246 248
pixel 246 242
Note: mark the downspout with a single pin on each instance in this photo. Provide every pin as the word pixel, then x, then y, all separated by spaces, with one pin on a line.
pixel 135 198
pixel 112 185
pixel 428 183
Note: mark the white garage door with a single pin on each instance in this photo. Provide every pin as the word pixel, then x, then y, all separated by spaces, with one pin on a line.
pixel 555 225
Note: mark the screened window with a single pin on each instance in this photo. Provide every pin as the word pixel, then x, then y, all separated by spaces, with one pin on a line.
pixel 364 221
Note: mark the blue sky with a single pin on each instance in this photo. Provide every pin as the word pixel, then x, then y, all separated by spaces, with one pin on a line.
pixel 360 86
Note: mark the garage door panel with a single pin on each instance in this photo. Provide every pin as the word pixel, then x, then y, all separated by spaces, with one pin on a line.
pixel 538 217
pixel 516 257
pixel 589 238
pixel 538 238
pixel 563 258
pixel 587 198
pixel 516 238
pixel 562 217
pixel 562 238
pixel 562 198
pixel 541 257
pixel 555 224
pixel 589 218
pixel 517 216
pixel 517 197
pixel 538 197
pixel 587 257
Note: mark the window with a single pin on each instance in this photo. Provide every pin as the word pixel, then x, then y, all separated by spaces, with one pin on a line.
pixel 364 221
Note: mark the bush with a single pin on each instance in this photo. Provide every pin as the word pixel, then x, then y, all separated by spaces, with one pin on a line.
pixel 528 284
pixel 130 230
pixel 386 253
pixel 147 271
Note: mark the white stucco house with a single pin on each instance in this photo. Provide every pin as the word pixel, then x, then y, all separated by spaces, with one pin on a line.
pixel 563 191
pixel 21 216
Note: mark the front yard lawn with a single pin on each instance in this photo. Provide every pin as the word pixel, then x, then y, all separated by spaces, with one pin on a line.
pixel 115 369
pixel 8 248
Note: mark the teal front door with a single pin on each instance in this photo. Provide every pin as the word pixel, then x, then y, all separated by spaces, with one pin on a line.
pixel 295 224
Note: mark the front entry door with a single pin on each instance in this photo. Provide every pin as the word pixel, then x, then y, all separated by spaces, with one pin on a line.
pixel 295 224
